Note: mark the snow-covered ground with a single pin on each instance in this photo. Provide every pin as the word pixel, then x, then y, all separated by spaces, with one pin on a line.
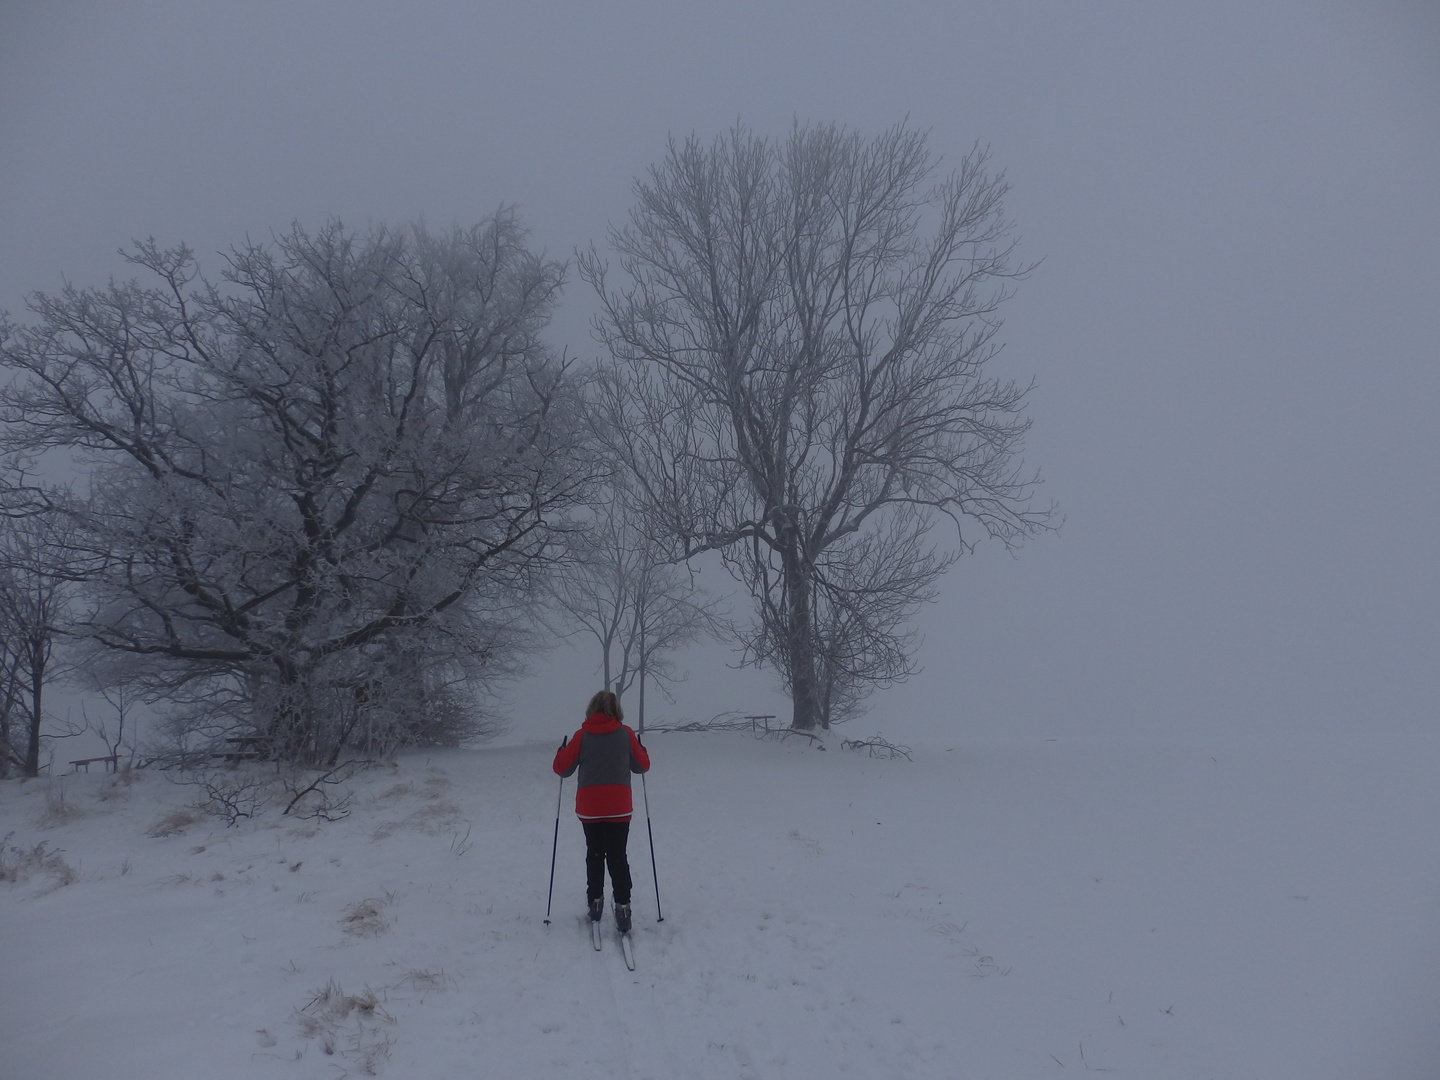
pixel 989 910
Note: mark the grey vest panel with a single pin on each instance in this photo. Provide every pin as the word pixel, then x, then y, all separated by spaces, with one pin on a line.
pixel 605 759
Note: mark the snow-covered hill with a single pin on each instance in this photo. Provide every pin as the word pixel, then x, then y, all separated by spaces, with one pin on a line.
pixel 988 910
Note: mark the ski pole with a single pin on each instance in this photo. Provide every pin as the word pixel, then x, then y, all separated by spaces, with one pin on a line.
pixel 555 841
pixel 645 793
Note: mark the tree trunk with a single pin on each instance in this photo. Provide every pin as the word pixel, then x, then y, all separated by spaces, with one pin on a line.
pixel 642 670
pixel 7 708
pixel 37 686
pixel 800 650
pixel 291 731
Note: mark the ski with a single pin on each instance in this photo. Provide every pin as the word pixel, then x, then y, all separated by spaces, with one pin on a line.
pixel 626 950
pixel 595 933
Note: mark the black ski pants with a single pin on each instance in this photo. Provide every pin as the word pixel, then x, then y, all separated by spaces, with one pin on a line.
pixel 605 846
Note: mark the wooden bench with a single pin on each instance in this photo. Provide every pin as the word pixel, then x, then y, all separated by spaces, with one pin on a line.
pixel 112 763
pixel 247 748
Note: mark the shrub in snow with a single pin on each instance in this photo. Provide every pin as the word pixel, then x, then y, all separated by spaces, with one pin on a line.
pixel 19 863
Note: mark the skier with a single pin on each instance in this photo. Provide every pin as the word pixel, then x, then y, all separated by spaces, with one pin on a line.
pixel 606 752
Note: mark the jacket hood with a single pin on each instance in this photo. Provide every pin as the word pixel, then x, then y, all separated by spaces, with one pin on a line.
pixel 600 724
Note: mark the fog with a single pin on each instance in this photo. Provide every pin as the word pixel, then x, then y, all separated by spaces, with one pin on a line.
pixel 1232 328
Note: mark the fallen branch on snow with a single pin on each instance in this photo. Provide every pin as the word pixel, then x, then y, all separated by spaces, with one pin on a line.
pixel 878 746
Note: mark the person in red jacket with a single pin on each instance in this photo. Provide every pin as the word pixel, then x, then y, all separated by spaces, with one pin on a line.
pixel 606 752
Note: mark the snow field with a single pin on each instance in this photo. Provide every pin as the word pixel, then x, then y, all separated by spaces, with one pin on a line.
pixel 990 911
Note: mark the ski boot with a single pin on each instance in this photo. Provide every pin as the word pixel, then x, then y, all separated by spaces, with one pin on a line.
pixel 622 918
pixel 597 908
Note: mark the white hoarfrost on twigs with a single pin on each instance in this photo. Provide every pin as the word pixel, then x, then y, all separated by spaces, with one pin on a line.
pixel 989 910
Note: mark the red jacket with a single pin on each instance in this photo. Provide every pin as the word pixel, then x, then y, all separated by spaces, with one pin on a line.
pixel 606 752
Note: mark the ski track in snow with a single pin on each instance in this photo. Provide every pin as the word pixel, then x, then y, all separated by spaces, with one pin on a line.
pixel 989 911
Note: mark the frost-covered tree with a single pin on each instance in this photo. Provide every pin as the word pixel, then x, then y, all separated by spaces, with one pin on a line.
pixel 802 329
pixel 320 486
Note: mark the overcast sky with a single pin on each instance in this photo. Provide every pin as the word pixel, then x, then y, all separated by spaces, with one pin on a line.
pixel 1234 329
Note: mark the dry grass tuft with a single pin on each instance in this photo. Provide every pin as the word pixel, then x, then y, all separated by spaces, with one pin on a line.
pixel 117 785
pixel 435 818
pixel 331 1011
pixel 366 918
pixel 426 982
pixel 174 823
pixel 58 810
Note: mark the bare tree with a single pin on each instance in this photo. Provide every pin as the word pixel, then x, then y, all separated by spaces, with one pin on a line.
pixel 321 486
pixel 36 585
pixel 801 338
pixel 117 730
pixel 20 495
pixel 625 590
pixel 12 684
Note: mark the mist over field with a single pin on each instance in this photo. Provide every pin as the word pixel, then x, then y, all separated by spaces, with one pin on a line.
pixel 1228 326
pixel 1231 327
